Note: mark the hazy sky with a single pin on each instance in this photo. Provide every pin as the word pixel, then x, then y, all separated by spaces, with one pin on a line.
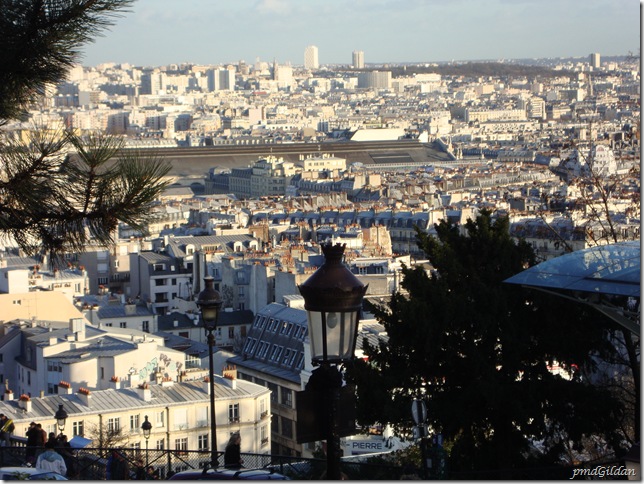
pixel 158 32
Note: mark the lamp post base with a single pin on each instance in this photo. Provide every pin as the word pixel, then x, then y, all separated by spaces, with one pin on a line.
pixel 327 381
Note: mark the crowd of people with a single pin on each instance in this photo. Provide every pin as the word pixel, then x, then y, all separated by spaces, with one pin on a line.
pixel 50 451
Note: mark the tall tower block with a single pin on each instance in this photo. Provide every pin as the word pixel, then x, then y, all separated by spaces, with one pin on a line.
pixel 357 60
pixel 311 57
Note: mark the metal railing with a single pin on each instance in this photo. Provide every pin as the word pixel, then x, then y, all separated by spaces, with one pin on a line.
pixel 90 463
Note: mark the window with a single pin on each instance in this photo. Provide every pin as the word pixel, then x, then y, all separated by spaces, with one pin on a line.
pixel 277 352
pixel 160 444
pixel 181 445
pixel 241 291
pixel 134 423
pixel 122 324
pixel 102 373
pixel 233 412
pixel 78 429
pixel 202 442
pixel 202 416
pixel 102 281
pixel 273 388
pixel 180 419
pixel 113 424
pixel 145 326
pixel 250 344
pixel 264 350
pixel 275 424
pixel 287 397
pixel 231 332
pixel 287 354
pixel 160 419
pixel 243 331
pixel 287 427
pixel 263 432
pixel 300 361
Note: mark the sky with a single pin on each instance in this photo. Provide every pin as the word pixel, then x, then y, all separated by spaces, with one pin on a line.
pixel 161 32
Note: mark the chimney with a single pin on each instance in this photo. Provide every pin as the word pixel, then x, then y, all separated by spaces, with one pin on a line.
pixel 85 396
pixel 64 388
pixel 230 374
pixel 144 392
pixel 134 380
pixel 130 309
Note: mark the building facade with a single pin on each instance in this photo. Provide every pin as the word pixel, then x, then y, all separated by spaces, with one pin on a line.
pixel 357 59
pixel 311 57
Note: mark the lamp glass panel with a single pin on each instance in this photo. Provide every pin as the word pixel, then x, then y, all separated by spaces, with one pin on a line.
pixel 339 335
pixel 209 315
pixel 316 335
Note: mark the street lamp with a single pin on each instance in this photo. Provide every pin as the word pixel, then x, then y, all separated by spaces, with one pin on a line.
pixel 61 418
pixel 146 426
pixel 333 299
pixel 209 302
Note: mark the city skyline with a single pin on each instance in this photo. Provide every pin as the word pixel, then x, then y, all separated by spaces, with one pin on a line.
pixel 160 32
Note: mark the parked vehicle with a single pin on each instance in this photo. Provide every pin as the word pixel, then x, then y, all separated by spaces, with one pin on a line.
pixel 29 474
pixel 208 474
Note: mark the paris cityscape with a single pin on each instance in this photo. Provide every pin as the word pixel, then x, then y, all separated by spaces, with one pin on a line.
pixel 182 241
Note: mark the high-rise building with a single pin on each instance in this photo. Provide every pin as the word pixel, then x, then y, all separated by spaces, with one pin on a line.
pixel 311 57
pixel 595 60
pixel 358 59
pixel 374 79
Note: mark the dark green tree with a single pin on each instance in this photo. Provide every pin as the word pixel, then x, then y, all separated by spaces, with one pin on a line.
pixel 40 42
pixel 480 352
pixel 59 189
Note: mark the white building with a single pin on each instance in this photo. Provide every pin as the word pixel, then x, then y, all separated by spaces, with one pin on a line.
pixel 179 413
pixel 357 59
pixel 311 57
pixel 374 80
pixel 84 356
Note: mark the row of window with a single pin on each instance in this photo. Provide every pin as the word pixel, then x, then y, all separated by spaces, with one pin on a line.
pixel 276 353
pixel 279 395
pixel 285 328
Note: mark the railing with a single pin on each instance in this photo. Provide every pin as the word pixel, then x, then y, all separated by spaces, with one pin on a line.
pixel 90 463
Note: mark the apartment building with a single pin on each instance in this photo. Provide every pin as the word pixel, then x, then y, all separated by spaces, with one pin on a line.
pixel 311 57
pixel 357 59
pixel 84 355
pixel 273 356
pixel 179 413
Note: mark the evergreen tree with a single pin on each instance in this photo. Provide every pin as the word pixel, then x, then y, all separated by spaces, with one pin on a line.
pixel 480 352
pixel 59 189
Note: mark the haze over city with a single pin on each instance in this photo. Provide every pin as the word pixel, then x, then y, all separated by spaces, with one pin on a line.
pixel 158 32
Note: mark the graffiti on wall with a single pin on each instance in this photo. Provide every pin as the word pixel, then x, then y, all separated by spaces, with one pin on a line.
pixel 152 366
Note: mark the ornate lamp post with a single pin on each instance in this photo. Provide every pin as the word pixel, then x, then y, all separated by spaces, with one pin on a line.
pixel 146 426
pixel 209 302
pixel 333 300
pixel 61 418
